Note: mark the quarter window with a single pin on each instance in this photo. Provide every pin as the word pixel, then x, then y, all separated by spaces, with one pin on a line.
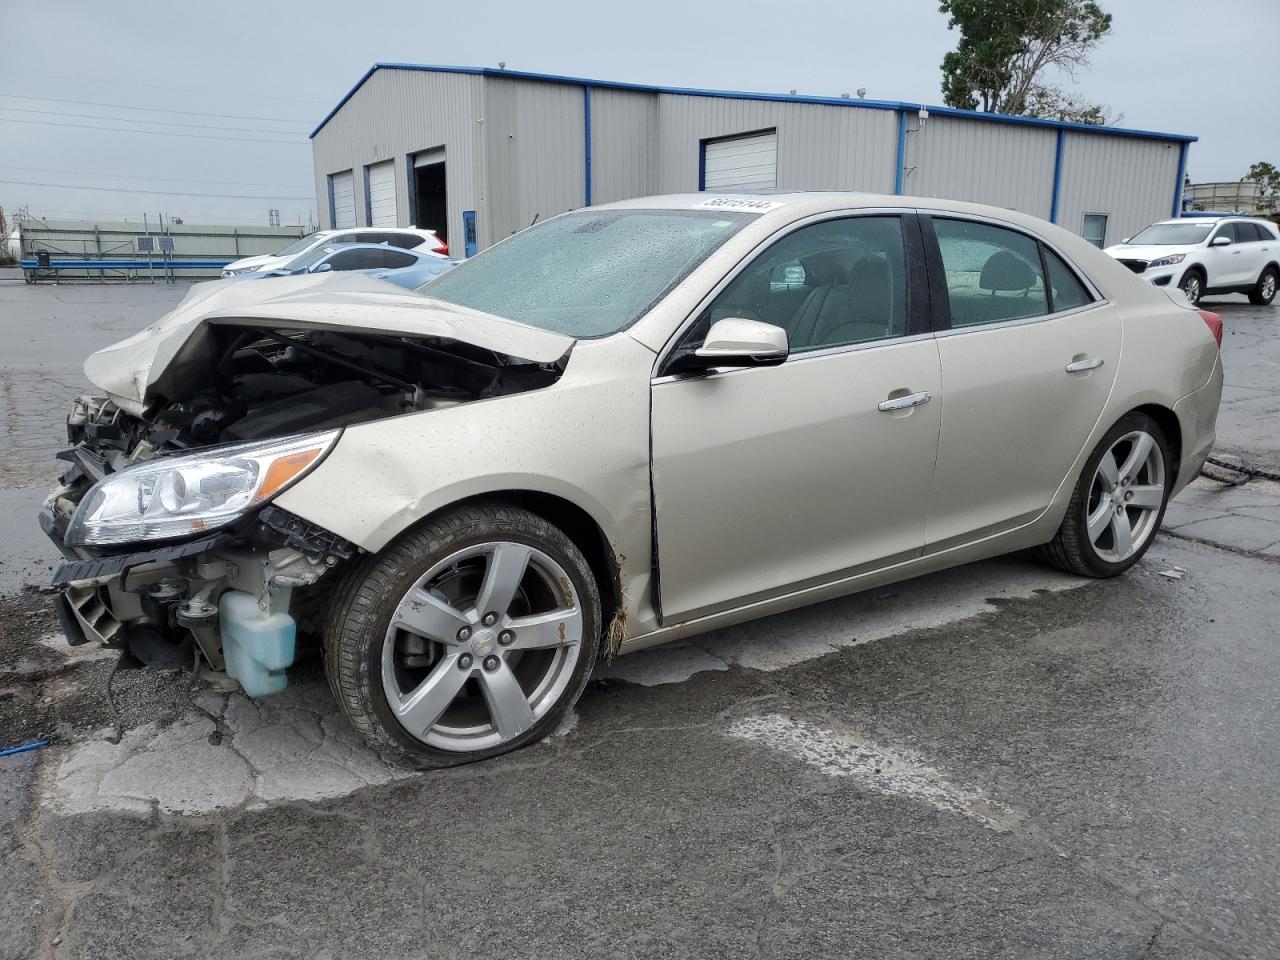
pixel 992 274
pixel 1066 291
pixel 831 284
pixel 1095 229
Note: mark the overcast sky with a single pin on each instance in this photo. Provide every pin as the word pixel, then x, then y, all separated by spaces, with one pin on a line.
pixel 289 63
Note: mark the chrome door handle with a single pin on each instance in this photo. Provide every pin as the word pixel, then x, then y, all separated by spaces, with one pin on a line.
pixel 1093 363
pixel 901 403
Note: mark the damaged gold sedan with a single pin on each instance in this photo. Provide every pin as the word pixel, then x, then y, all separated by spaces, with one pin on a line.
pixel 622 426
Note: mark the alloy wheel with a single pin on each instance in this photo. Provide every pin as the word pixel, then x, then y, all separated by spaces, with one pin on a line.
pixel 1191 287
pixel 1268 285
pixel 482 646
pixel 1125 497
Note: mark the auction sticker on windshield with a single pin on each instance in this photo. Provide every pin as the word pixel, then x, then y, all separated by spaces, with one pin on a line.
pixel 740 203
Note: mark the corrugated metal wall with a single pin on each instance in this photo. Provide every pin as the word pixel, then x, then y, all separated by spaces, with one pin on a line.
pixel 624 144
pixel 1131 181
pixel 1000 164
pixel 399 112
pixel 536 152
pixel 515 150
pixel 819 147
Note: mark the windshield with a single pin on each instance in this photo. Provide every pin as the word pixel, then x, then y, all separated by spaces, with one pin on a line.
pixel 1172 234
pixel 297 246
pixel 590 273
pixel 310 257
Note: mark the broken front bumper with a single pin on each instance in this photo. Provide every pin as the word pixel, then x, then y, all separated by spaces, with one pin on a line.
pixel 237 595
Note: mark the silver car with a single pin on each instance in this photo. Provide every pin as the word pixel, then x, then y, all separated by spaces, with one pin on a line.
pixel 625 425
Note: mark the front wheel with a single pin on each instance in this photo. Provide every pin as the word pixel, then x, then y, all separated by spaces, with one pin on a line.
pixel 1118 502
pixel 1265 290
pixel 1193 286
pixel 470 636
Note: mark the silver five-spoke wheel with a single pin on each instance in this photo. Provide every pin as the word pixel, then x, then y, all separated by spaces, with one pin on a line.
pixel 1125 497
pixel 482 646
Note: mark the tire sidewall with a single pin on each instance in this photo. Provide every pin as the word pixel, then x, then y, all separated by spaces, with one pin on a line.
pixel 1080 503
pixel 443 539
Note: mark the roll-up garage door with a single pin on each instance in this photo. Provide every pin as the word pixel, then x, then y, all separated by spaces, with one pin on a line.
pixel 342 188
pixel 741 164
pixel 382 194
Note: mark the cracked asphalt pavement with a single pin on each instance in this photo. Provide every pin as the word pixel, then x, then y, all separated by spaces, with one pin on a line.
pixel 996 761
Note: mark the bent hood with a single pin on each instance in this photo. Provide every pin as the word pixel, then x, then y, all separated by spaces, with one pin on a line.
pixel 127 370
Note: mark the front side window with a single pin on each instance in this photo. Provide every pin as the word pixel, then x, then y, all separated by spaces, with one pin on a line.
pixel 831 284
pixel 311 257
pixel 350 260
pixel 1095 229
pixel 590 273
pixel 1227 230
pixel 992 274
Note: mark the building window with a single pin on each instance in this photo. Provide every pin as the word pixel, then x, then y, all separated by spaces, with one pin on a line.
pixel 1095 229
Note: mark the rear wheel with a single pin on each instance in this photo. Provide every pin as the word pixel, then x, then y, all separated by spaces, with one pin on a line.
pixel 1118 502
pixel 1193 286
pixel 466 638
pixel 1265 290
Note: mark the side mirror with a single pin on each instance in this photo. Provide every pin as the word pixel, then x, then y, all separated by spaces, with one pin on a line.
pixel 1220 242
pixel 322 267
pixel 736 342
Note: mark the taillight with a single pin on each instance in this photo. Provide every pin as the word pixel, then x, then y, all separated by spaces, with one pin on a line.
pixel 442 249
pixel 1215 324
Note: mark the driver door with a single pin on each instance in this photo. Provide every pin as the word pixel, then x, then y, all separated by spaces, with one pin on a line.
pixel 771 479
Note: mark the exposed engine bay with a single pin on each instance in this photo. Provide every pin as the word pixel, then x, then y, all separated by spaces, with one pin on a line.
pixel 258 382
pixel 241 593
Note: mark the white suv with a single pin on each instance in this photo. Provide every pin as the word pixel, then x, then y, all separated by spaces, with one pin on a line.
pixel 409 238
pixel 1207 256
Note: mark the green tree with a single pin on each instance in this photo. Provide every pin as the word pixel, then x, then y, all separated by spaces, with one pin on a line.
pixel 1268 179
pixel 1008 48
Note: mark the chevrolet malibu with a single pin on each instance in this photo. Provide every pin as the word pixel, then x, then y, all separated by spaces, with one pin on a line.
pixel 622 426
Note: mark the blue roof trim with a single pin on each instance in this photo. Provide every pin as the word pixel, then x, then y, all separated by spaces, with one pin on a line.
pixel 743 95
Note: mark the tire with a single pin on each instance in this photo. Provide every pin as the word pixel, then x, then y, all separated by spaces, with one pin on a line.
pixel 433 578
pixel 1265 289
pixel 1073 549
pixel 1193 284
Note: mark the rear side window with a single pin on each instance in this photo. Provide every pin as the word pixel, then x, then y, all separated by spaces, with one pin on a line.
pixel 1065 290
pixel 406 241
pixel 1265 232
pixel 992 274
pixel 394 258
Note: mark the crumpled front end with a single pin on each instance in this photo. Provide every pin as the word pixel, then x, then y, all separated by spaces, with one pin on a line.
pixel 165 510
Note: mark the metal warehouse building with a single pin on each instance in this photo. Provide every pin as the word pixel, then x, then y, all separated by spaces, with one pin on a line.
pixel 480 153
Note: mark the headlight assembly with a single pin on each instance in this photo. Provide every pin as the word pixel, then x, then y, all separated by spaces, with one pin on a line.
pixel 1167 261
pixel 191 493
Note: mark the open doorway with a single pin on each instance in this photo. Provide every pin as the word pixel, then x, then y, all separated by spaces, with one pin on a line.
pixel 431 207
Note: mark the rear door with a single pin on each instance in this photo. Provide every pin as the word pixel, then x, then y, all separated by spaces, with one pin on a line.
pixel 1028 357
pixel 1249 238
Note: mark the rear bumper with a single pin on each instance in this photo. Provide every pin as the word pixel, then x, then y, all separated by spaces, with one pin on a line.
pixel 1197 415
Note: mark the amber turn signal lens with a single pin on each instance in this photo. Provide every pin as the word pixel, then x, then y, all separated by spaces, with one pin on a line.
pixel 283 470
